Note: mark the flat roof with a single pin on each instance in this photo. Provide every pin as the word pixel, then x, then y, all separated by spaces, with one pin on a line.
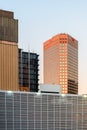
pixel 37 93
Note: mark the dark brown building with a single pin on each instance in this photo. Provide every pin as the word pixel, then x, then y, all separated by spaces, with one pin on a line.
pixel 8 51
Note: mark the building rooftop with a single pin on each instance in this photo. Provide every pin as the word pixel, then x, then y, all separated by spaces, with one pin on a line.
pixel 8 14
pixel 37 93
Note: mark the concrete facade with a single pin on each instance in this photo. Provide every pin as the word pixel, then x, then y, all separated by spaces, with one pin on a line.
pixel 8 51
pixel 61 62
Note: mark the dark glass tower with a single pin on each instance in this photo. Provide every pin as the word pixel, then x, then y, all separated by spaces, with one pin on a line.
pixel 28 71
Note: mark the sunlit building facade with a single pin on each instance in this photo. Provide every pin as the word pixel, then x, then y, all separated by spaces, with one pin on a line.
pixel 8 51
pixel 61 62
pixel 33 111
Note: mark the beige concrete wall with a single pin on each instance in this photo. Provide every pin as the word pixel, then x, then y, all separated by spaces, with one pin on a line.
pixel 8 66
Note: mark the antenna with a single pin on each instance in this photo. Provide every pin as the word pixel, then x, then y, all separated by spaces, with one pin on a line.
pixel 29 65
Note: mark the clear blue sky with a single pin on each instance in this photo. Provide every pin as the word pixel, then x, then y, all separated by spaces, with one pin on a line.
pixel 39 20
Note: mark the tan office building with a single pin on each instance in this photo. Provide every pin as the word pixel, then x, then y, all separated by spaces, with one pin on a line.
pixel 61 62
pixel 8 51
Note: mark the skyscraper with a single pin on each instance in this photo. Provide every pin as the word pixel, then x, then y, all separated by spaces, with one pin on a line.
pixel 8 51
pixel 61 62
pixel 28 71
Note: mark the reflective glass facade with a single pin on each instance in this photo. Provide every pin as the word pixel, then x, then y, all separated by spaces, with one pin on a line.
pixel 28 71
pixel 32 111
pixel 61 62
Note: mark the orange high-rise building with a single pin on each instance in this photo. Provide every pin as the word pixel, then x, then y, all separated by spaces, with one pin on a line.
pixel 61 62
pixel 8 51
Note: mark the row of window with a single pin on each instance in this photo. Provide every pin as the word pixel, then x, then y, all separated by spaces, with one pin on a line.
pixel 63 50
pixel 63 39
pixel 63 80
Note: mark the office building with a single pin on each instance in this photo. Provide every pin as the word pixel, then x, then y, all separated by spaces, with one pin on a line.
pixel 8 51
pixel 61 62
pixel 28 71
pixel 33 111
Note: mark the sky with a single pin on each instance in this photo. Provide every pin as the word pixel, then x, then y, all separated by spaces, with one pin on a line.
pixel 39 20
